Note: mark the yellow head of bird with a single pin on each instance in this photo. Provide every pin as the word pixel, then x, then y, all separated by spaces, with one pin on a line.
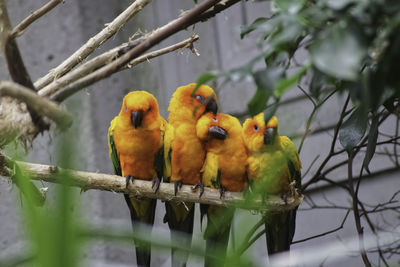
pixel 189 104
pixel 257 133
pixel 218 126
pixel 140 109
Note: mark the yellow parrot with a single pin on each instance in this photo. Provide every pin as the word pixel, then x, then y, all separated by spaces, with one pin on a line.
pixel 135 139
pixel 224 169
pixel 184 155
pixel 273 164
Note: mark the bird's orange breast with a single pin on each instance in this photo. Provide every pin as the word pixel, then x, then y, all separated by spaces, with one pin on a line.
pixel 187 155
pixel 137 150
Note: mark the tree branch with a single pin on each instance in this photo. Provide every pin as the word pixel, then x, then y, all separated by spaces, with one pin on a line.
pixel 92 44
pixel 20 28
pixel 40 105
pixel 140 188
pixel 109 56
pixel 189 18
pixel 15 64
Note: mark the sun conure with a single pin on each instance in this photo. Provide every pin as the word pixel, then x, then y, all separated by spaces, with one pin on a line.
pixel 135 139
pixel 184 155
pixel 224 169
pixel 273 164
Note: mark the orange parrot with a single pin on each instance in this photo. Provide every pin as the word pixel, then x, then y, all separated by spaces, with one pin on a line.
pixel 273 164
pixel 224 169
pixel 184 155
pixel 135 139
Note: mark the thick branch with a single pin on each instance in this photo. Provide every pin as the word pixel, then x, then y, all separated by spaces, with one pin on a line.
pixel 89 180
pixel 92 43
pixel 40 105
pixel 189 18
pixel 15 64
pixel 109 56
pixel 20 28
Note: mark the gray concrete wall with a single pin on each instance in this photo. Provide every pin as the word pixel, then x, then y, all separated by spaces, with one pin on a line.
pixel 51 39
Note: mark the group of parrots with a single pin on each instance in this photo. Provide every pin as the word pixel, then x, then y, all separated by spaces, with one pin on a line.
pixel 201 148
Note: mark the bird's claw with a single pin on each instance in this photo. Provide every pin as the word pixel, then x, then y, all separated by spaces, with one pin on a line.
pixel 222 190
pixel 284 197
pixel 155 182
pixel 128 178
pixel 177 186
pixel 199 185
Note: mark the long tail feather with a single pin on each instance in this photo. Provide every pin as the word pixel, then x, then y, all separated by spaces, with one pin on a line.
pixel 143 251
pixel 176 226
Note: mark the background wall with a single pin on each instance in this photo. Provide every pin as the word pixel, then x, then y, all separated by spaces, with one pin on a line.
pixel 53 38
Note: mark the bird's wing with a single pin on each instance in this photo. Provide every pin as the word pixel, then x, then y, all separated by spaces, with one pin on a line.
pixel 292 156
pixel 168 139
pixel 112 148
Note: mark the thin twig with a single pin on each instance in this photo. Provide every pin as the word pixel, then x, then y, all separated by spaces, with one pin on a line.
pixel 40 105
pixel 109 56
pixel 317 174
pixel 357 220
pixel 93 43
pixel 20 28
pixel 171 28
pixel 327 232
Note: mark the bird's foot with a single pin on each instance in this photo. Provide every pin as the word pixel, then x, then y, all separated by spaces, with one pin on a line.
pixel 128 178
pixel 222 190
pixel 284 196
pixel 155 183
pixel 177 186
pixel 199 185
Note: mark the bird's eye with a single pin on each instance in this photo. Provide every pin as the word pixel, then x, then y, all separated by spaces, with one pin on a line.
pixel 149 109
pixel 199 98
pixel 215 119
pixel 256 128
pixel 126 108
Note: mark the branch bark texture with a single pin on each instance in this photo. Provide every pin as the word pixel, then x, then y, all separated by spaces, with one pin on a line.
pixel 140 188
pixel 92 43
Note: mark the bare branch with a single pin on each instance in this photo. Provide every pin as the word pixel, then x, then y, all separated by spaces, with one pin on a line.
pixel 40 105
pixel 114 183
pixel 357 220
pixel 15 64
pixel 92 43
pixel 109 56
pixel 159 35
pixel 327 232
pixel 20 28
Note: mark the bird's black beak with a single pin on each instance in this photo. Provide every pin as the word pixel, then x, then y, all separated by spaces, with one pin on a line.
pixel 269 136
pixel 136 118
pixel 212 106
pixel 217 132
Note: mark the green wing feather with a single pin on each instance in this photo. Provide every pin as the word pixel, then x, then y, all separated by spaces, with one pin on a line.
pixel 113 150
pixel 159 158
pixel 168 138
pixel 292 156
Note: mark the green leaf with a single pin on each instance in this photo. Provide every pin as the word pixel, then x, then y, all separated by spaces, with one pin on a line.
pixel 353 129
pixel 371 146
pixel 244 30
pixel 339 51
pixel 288 6
pixel 265 80
pixel 205 78
pixel 338 4
pixel 270 110
pixel 288 82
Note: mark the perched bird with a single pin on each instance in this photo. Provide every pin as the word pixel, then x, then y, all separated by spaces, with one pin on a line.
pixel 135 139
pixel 224 169
pixel 184 155
pixel 273 164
